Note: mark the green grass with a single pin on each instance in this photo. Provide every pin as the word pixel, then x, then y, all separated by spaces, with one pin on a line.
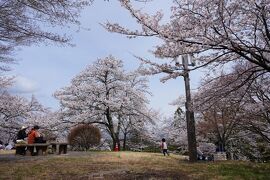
pixel 245 170
pixel 127 165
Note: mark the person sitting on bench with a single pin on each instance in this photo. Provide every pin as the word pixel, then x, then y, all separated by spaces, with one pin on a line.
pixel 34 136
pixel 21 135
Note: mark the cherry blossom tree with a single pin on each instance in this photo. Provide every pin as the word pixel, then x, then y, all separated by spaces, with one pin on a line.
pixel 135 118
pixel 212 31
pixel 244 86
pixel 15 111
pixel 219 123
pixel 22 22
pixel 105 94
pixel 131 124
pixel 5 82
pixel 235 108
pixel 257 108
pixel 174 129
pixel 255 121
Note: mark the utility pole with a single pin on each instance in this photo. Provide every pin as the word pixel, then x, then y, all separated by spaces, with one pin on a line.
pixel 192 147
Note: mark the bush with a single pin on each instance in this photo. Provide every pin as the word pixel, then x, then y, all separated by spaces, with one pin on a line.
pixel 84 136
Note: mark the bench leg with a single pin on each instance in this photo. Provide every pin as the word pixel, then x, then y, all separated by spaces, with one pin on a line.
pixel 29 151
pixel 62 149
pixel 20 150
pixel 45 152
pixel 58 150
pixel 35 151
pixel 39 151
pixel 54 149
pixel 65 149
pixel 42 151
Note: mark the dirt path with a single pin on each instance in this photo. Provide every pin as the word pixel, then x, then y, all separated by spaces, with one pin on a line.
pixel 10 156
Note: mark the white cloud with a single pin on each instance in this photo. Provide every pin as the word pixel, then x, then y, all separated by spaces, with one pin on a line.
pixel 23 85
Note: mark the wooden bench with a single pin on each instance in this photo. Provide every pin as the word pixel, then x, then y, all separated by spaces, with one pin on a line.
pixel 34 149
pixel 59 147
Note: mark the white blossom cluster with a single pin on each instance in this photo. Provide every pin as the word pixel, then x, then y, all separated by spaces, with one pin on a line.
pixel 105 94
pixel 213 31
pixel 15 112
pixel 235 110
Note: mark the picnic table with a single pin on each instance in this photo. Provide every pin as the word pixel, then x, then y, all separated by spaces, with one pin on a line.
pixel 33 149
pixel 59 147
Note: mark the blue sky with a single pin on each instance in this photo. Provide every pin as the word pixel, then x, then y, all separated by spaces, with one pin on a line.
pixel 43 69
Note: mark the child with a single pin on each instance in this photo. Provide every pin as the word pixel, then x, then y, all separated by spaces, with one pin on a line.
pixel 164 147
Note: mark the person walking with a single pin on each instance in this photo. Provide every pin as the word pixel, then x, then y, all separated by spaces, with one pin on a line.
pixel 164 147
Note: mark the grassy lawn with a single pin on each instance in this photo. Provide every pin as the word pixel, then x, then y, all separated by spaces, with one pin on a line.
pixel 125 165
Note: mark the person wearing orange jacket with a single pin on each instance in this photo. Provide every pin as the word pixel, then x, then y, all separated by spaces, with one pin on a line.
pixel 33 135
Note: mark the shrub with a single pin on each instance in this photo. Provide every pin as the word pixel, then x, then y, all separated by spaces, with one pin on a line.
pixel 84 136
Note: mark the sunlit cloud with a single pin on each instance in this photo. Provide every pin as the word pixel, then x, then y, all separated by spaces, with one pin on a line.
pixel 23 85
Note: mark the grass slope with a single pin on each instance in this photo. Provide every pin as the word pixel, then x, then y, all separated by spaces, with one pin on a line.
pixel 125 165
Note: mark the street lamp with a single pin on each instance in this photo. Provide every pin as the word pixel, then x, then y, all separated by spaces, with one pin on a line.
pixel 192 147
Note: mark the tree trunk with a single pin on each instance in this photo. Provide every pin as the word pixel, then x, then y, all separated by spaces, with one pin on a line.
pixel 111 129
pixel 192 147
pixel 115 138
pixel 118 132
pixel 114 135
pixel 124 143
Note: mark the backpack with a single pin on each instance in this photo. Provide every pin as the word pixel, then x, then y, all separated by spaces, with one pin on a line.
pixel 40 140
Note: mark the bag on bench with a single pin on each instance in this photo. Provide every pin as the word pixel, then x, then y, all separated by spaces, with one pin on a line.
pixel 40 140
